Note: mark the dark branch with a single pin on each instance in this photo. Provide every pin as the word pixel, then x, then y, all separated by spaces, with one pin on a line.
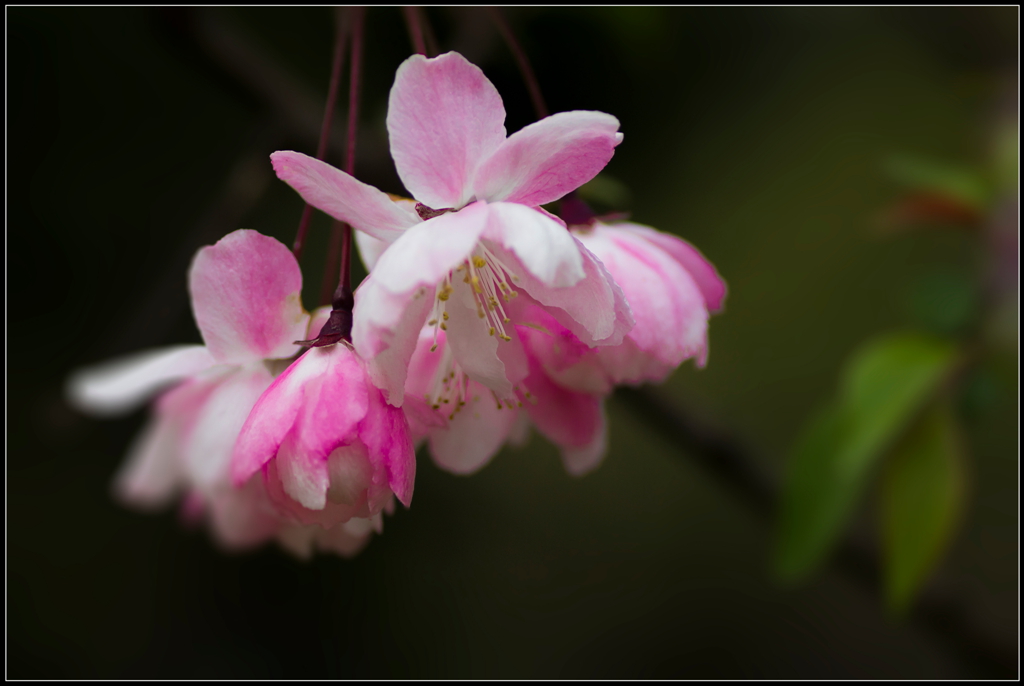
pixel 735 471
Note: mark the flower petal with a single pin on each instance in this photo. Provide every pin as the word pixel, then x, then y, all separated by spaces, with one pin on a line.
pixel 385 432
pixel 444 119
pixel 243 517
pixel 711 285
pixel 567 418
pixel 385 327
pixel 342 196
pixel 475 350
pixel 585 459
pixel 594 309
pixel 543 245
pixel 549 158
pixel 152 475
pixel 370 249
pixel 274 415
pixel 207 450
pixel 246 298
pixel 424 254
pixel 123 384
pixel 667 305
pixel 474 435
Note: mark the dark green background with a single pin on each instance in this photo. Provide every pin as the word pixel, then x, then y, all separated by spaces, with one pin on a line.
pixel 757 134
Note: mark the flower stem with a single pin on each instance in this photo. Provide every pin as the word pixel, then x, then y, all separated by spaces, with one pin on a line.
pixel 525 69
pixel 412 22
pixel 340 40
pixel 339 324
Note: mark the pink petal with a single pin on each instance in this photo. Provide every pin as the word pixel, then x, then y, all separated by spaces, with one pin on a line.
pixel 549 158
pixel 474 435
pixel 475 350
pixel 155 469
pixel 584 459
pixel 343 197
pixel 242 518
pixel 152 475
pixel 385 327
pixel 304 475
pixel 207 450
pixel 667 305
pixel 594 310
pixel 385 433
pixel 567 418
pixel 370 249
pixel 444 119
pixel 334 404
pixel 246 298
pixel 703 272
pixel 543 245
pixel 274 415
pixel 428 251
pixel 123 384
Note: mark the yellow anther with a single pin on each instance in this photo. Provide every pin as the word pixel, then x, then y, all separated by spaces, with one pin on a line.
pixel 433 347
pixel 491 331
pixel 444 327
pixel 506 337
pixel 444 316
pixel 479 262
pixel 432 322
pixel 443 295
pixel 507 320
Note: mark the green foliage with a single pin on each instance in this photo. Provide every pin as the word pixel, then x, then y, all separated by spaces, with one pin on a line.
pixel 922 493
pixel 963 184
pixel 945 302
pixel 607 191
pixel 884 385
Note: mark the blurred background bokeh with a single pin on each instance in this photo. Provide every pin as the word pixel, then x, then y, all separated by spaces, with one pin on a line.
pixel 778 141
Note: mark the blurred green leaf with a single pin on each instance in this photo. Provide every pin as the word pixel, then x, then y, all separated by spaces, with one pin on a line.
pixel 884 385
pixel 944 302
pixel 922 493
pixel 607 191
pixel 963 184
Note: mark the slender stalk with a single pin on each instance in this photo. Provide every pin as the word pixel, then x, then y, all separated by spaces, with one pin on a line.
pixel 412 21
pixel 428 33
pixel 340 40
pixel 339 324
pixel 539 106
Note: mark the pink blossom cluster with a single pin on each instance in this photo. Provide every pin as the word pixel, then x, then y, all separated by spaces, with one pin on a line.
pixel 483 315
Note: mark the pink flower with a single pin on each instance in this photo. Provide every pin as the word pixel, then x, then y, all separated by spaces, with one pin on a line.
pixel 245 297
pixel 671 289
pixel 483 238
pixel 329 446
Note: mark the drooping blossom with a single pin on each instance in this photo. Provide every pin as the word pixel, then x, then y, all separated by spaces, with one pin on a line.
pixel 671 289
pixel 245 298
pixel 477 236
pixel 328 445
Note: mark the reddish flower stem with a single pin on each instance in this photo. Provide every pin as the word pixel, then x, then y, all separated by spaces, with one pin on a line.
pixel 339 324
pixel 341 38
pixel 525 69
pixel 412 22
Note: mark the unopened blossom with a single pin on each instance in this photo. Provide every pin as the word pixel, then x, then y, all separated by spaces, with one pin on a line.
pixel 245 298
pixel 328 445
pixel 671 289
pixel 477 237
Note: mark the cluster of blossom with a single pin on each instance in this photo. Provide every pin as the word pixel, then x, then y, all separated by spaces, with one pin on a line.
pixel 482 315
